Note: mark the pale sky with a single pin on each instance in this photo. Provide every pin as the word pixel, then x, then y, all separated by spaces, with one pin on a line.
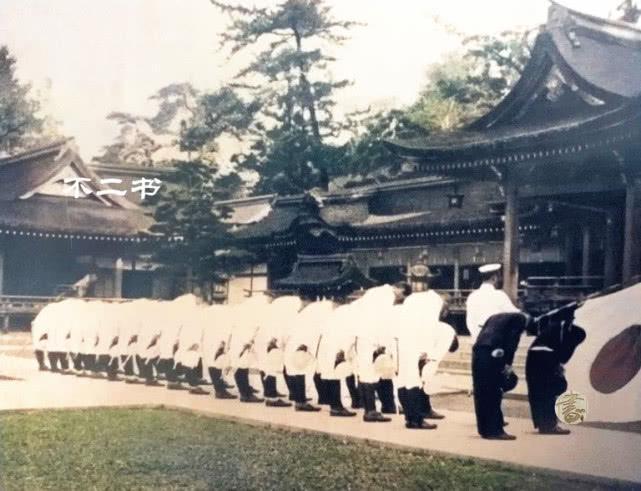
pixel 104 56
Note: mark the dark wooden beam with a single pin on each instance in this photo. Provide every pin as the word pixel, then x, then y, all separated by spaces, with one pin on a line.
pixel 632 233
pixel 511 237
pixel 610 253
pixel 586 252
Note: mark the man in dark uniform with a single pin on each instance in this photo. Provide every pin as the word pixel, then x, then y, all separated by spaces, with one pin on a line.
pixel 492 357
pixel 557 339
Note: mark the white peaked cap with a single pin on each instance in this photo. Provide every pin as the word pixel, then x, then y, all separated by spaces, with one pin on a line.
pixel 489 268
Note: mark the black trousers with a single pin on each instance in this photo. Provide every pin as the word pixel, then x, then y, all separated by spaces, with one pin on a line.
pixel 102 363
pixel 333 394
pixel 545 382
pixel 385 391
pixel 368 396
pixel 127 363
pixel 269 386
pixel 146 367
pixel 40 358
pixel 112 368
pixel 53 361
pixel 241 377
pixel 412 401
pixel 58 360
pixel 289 384
pixel 488 395
pixel 89 362
pixel 77 361
pixel 194 375
pixel 216 375
pixel 298 384
pixel 321 389
pixel 166 366
pixel 354 393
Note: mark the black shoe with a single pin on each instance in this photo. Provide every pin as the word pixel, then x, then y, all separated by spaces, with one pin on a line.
pixel 434 415
pixel 225 395
pixel 505 423
pixel 175 386
pixel 306 407
pixel 423 425
pixel 502 436
pixel 152 383
pixel 277 403
pixel 554 431
pixel 115 379
pixel 253 391
pixel 198 391
pixel 375 417
pixel 342 412
pixel 251 398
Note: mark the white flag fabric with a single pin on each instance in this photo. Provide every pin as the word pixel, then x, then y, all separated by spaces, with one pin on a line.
pixel 605 367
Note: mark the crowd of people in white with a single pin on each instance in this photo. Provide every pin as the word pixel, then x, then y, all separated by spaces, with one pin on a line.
pixel 380 340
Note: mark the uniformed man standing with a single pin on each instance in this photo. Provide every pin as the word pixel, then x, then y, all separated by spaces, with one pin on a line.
pixel 487 300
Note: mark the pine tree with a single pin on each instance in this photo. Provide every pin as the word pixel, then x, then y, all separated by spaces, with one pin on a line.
pixel 289 82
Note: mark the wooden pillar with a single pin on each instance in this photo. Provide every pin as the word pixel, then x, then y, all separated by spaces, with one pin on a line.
pixel 609 252
pixel 632 235
pixel 1 272
pixel 586 253
pixel 118 278
pixel 568 252
pixel 511 238
pixel 457 275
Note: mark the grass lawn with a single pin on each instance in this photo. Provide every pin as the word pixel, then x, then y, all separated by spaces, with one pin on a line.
pixel 162 449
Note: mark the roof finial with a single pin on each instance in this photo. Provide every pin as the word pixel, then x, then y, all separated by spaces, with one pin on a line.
pixel 630 11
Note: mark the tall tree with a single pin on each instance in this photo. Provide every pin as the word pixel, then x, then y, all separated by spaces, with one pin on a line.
pixel 152 141
pixel 186 214
pixel 289 81
pixel 18 112
pixel 192 225
pixel 467 85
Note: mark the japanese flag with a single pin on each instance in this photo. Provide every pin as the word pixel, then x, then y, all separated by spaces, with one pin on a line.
pixel 606 367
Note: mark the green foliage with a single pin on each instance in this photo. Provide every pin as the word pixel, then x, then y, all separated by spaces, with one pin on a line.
pixel 18 112
pixel 156 449
pixel 152 141
pixel 465 86
pixel 294 95
pixel 367 153
pixel 191 224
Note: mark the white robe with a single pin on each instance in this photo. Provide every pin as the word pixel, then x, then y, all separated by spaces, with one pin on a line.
pixel 90 318
pixel 245 325
pixel 217 336
pixel 174 314
pixel 420 333
pixel 191 337
pixel 338 335
pixel 371 317
pixel 274 328
pixel 306 329
pixel 41 327
pixel 213 335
